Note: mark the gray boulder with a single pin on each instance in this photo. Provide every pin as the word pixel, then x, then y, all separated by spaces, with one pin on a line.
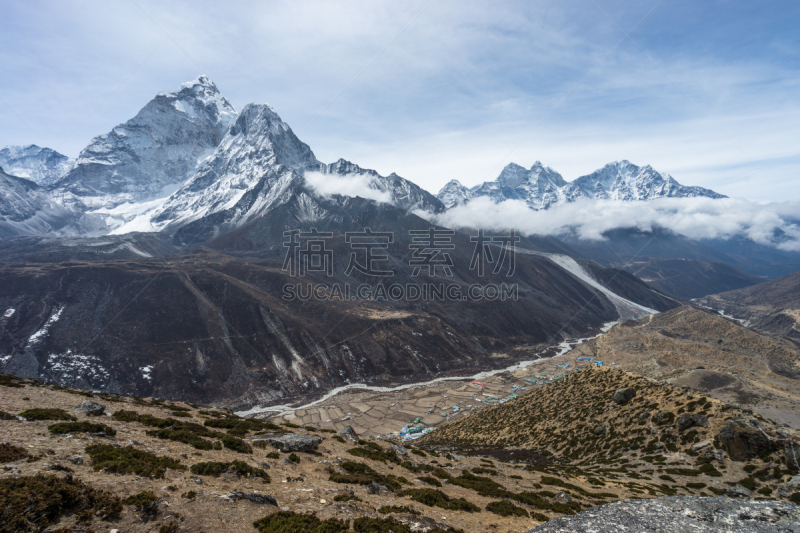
pixel 90 408
pixel 562 497
pixel 792 486
pixel 714 454
pixel 738 491
pixel 696 447
pixel 77 460
pixel 348 433
pixel 374 488
pixel 663 417
pixel 255 497
pixel 792 455
pixel 292 442
pixel 399 450
pixel 681 514
pixel 691 421
pixel 623 396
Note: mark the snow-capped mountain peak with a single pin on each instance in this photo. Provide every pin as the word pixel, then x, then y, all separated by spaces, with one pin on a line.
pixel 202 91
pixel 401 192
pixel 43 166
pixel 258 157
pixel 622 180
pixel 260 164
pixel 453 193
pixel 150 155
pixel 541 186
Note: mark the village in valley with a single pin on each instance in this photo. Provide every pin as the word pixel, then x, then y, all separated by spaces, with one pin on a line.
pixel 412 412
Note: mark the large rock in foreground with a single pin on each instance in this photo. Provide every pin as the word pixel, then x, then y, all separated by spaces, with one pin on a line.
pixel 680 514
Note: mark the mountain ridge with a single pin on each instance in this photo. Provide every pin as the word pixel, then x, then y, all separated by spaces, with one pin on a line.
pixel 541 186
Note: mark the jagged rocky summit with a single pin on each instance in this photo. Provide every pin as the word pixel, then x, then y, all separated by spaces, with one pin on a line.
pixel 186 156
pixel 541 186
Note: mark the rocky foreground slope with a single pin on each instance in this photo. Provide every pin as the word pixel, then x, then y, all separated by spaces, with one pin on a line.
pixel 138 465
pixel 681 514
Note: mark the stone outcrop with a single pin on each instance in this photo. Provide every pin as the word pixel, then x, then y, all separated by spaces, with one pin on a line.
pixel 623 396
pixel 692 421
pixel 738 491
pixel 681 514
pixel 742 441
pixel 90 408
pixel 348 433
pixel 255 497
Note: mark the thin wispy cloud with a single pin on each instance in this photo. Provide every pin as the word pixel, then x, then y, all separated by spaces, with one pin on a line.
pixel 690 86
pixel 353 185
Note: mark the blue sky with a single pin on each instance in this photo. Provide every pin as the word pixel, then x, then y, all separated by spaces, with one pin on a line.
pixel 438 90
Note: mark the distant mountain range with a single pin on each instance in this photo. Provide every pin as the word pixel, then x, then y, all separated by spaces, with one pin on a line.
pixel 541 186
pixel 162 246
pixel 190 165
pixel 189 155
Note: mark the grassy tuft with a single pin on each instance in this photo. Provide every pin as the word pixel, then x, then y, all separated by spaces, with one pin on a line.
pixel 81 427
pixel 361 474
pixel 388 509
pixel 346 498
pixel 239 468
pixel 506 508
pixel 437 498
pixel 47 414
pixel 290 522
pixel 130 461
pixel 10 453
pixel 32 503
pixel 7 380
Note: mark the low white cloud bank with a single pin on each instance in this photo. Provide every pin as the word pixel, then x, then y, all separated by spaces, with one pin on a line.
pixel 774 224
pixel 347 185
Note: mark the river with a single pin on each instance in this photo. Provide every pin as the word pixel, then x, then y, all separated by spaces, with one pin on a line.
pixel 563 348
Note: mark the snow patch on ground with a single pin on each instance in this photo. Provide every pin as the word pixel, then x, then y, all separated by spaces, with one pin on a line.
pixel 39 335
pixel 69 367
pixel 625 308
pixel 131 216
pixel 147 372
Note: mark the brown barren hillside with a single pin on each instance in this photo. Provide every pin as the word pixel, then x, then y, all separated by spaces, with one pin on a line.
pixel 772 306
pixel 662 441
pixel 575 418
pixel 697 348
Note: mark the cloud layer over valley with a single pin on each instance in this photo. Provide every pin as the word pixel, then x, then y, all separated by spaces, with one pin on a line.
pixel 770 223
